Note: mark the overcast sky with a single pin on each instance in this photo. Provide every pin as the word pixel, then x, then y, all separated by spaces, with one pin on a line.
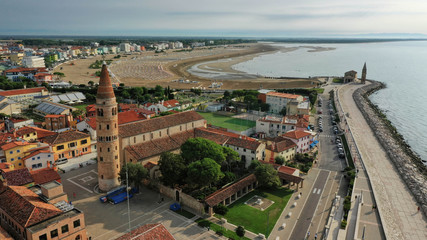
pixel 270 18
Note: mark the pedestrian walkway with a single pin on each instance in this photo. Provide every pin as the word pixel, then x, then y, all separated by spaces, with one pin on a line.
pixel 396 206
pixel 233 227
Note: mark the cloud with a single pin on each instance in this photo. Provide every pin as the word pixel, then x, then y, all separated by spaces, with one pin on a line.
pixel 219 17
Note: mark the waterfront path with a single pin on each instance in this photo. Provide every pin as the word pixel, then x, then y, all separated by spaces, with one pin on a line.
pixel 397 207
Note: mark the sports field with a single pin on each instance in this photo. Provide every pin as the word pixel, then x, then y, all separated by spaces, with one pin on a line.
pixel 228 122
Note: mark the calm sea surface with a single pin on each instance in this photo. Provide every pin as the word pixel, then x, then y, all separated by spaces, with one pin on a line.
pixel 401 65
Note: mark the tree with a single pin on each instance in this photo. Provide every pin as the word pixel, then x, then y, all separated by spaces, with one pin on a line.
pixel 279 160
pixel 231 157
pixel 204 172
pixel 283 111
pixel 195 149
pixel 267 176
pixel 91 83
pixel 254 164
pixel 125 94
pixel 220 209
pixel 173 168
pixel 3 116
pixel 77 113
pixel 240 231
pixel 136 173
pixel 121 84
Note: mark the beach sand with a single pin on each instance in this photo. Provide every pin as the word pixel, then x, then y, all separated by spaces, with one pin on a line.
pixel 150 69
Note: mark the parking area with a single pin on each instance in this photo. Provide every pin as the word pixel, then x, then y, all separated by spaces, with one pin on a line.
pixel 108 221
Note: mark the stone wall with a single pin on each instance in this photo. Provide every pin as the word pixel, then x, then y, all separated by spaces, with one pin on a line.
pixel 184 199
pixel 407 163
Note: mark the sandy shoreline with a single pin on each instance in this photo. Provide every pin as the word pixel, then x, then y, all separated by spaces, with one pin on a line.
pixel 150 69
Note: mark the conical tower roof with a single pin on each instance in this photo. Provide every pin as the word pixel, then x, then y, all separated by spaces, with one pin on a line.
pixel 105 89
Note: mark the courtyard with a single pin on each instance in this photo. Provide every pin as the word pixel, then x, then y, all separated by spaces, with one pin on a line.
pixel 245 213
pixel 108 221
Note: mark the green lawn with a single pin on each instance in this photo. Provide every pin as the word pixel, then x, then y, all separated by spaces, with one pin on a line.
pixel 218 229
pixel 228 122
pixel 253 219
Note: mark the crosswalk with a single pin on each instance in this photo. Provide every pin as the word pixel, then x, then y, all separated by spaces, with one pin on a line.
pixel 317 190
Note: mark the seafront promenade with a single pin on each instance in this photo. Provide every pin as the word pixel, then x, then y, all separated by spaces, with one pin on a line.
pixel 398 209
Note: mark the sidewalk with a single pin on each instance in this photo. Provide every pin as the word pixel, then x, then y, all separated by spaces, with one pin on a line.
pixel 290 221
pixel 397 208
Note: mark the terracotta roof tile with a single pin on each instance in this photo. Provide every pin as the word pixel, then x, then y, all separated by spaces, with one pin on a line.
pixel 25 206
pixel 34 153
pixel 215 137
pixel 287 170
pixel 244 143
pixel 45 175
pixel 25 130
pixel 64 137
pixel 281 144
pixel 297 134
pixel 220 195
pixel 222 137
pixel 15 144
pixel 158 146
pixel 123 117
pixel 17 177
pixel 283 95
pixel 148 232
pixel 22 91
pixel 136 128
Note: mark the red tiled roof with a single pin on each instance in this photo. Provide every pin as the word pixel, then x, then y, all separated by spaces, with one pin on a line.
pixel 215 137
pixel 171 103
pixel 123 117
pixel 45 175
pixel 21 69
pixel 287 170
pixel 25 130
pixel 14 144
pixel 222 137
pixel 297 134
pixel 132 129
pixel 244 143
pixel 22 91
pixel 5 165
pixel 152 148
pixel 53 116
pixel 64 137
pixel 25 206
pixel 222 194
pixel 148 232
pixel 283 95
pixel 41 133
pixel 17 177
pixel 281 144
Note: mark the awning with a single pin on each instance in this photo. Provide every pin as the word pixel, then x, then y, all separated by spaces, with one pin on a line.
pixel 314 144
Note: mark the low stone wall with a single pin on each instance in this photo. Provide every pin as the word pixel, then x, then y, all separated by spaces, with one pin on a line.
pixel 407 163
pixel 184 199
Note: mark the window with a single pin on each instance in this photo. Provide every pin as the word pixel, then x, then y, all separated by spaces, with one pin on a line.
pixel 64 229
pixel 160 133
pixel 60 147
pixel 244 149
pixel 43 237
pixel 34 134
pixel 102 177
pixel 134 139
pixel 11 152
pixel 101 159
pixel 180 128
pixel 47 156
pixel 33 158
pixel 116 157
pixel 108 126
pixel 18 151
pixel 20 164
pixel 108 149
pixel 99 127
pixel 100 149
pixel 252 151
pixel 73 144
pixel 54 233
pixel 143 137
pixel 38 157
pixel 20 158
pixel 13 159
pixel 83 141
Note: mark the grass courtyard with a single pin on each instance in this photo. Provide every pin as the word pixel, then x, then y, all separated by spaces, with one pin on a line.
pixel 228 122
pixel 256 220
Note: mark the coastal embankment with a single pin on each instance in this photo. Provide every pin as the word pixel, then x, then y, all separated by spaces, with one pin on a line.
pixel 406 162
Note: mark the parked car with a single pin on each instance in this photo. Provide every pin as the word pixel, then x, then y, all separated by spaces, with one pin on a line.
pixel 320 129
pixel 340 150
pixel 319 112
pixel 341 155
pixel 339 145
pixel 61 161
pixel 338 140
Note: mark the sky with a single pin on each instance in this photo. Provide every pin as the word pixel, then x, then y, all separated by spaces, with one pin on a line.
pixel 221 18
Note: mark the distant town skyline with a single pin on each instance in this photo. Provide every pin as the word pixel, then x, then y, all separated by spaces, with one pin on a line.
pixel 246 18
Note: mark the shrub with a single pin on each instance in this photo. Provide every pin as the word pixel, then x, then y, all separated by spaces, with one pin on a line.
pixel 279 160
pixel 240 231
pixel 220 209
pixel 343 224
pixel 204 223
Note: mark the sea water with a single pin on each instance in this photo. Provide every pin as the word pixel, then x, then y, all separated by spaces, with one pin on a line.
pixel 402 66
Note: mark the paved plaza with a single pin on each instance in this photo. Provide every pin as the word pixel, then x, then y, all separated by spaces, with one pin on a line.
pixel 108 221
